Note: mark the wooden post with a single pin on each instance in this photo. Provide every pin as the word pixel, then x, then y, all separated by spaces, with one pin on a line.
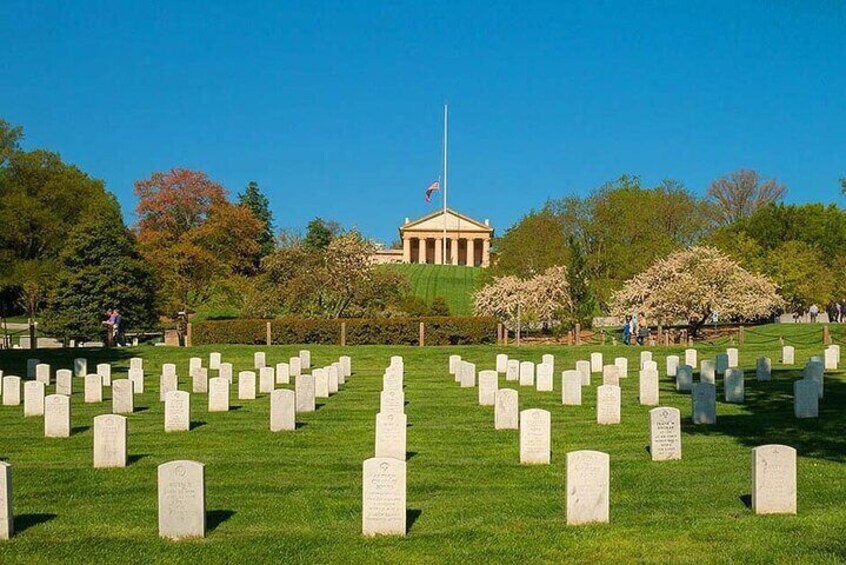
pixel 570 337
pixel 188 334
pixel 603 337
pixel 781 340
pixel 740 336
pixel 826 335
pixel 343 333
pixel 267 333
pixel 578 331
pixel 422 336
pixel 504 335
pixel 499 333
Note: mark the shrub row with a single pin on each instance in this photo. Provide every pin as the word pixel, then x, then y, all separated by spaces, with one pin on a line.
pixel 445 330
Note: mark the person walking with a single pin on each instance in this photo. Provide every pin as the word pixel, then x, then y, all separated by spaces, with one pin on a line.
pixel 642 328
pixel 814 311
pixel 119 337
pixel 627 330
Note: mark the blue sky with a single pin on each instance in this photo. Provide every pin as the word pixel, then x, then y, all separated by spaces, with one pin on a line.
pixel 335 107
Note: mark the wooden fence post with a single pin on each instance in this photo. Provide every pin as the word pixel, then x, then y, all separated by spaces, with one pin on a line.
pixel 578 334
pixel 826 335
pixel 499 333
pixel 603 337
pixel 422 336
pixel 267 333
pixel 741 336
pixel 343 334
pixel 188 334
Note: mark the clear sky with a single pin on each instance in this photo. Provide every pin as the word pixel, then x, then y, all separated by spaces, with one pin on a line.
pixel 334 108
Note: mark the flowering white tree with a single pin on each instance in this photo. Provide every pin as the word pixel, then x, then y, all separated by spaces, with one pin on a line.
pixel 692 284
pixel 540 298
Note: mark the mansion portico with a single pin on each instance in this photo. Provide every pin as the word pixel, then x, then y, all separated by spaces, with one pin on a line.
pixel 468 240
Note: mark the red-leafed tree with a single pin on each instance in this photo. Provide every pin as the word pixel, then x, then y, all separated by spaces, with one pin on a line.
pixel 192 234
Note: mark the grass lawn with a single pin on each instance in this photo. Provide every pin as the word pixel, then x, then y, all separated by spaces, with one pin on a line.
pixel 295 497
pixel 455 283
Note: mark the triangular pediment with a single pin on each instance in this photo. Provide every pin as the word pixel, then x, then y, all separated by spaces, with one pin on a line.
pixel 454 222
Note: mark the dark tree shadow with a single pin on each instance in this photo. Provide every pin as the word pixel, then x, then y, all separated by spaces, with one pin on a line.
pixel 746 499
pixel 195 425
pixel 132 459
pixel 299 425
pixel 79 429
pixel 24 522
pixel 768 418
pixel 215 518
pixel 411 517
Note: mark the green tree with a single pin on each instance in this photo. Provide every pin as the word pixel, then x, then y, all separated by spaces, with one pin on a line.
pixel 100 267
pixel 320 233
pixel 257 202
pixel 800 271
pixel 532 245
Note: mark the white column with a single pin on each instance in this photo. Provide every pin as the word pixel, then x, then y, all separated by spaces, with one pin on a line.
pixel 486 252
pixel 454 241
pixel 421 250
pixel 438 251
pixel 406 249
pixel 471 252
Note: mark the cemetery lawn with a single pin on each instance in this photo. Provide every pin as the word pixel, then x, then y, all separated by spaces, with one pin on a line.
pixel 295 497
pixel 454 283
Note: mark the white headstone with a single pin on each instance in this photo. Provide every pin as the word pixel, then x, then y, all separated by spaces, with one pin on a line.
pixel 763 369
pixel 830 359
pixel 665 433
pixel 501 362
pixel 225 371
pixel 57 416
pixel 704 403
pixel 259 360
pixel 346 365
pixel 684 378
pixel 7 521
pixel 549 359
pixel 454 361
pixel 304 387
pixel 246 385
pixel 177 411
pixel 214 360
pixel 295 368
pixel 93 388
pixel 64 382
pixel 80 367
pixel 584 367
pixel 588 485
pixel 708 371
pixel 596 362
pixel 383 496
pixel 137 378
pixel 267 380
pixel 168 382
pixel 332 375
pixel 305 359
pixel 283 374
pixel 527 373
pixel 622 364
pixel 506 410
pixel 733 357
pixel 123 397
pixel 11 390
pixel 644 357
pixel 788 354
pixel 42 373
pixel 391 380
pixel 321 383
pixel 774 479
pixel 218 394
pixel 109 441
pixel 136 363
pixel 815 371
pixel 390 435
pixel 467 374
pixel 535 433
pixel 691 357
pixel 512 370
pixel 33 398
pixel 193 364
pixel 199 380
pixel 392 401
pixel 611 375
pixel 608 404
pixel 182 500
pixel 544 377
pixel 648 387
pixel 806 399
pixel 672 365
pixel 721 363
pixel 571 388
pixel 734 385
pixel 488 385
pixel 283 410
pixel 169 369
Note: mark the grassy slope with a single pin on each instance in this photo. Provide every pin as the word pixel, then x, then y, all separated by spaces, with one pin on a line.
pixel 295 497
pixel 456 284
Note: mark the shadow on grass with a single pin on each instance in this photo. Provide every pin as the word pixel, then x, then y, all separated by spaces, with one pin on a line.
pixel 319 406
pixel 299 425
pixel 235 407
pixel 409 455
pixel 195 425
pixel 215 518
pixel 768 418
pixel 411 516
pixel 79 429
pixel 141 408
pixel 746 499
pixel 132 459
pixel 24 522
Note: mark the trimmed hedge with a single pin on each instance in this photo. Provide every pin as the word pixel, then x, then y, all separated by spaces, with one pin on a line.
pixel 361 331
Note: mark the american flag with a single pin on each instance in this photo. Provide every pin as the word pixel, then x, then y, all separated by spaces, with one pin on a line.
pixel 435 186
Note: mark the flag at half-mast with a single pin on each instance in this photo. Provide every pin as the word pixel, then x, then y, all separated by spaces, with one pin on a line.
pixel 434 187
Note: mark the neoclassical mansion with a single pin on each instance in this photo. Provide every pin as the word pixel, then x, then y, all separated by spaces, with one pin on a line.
pixel 468 241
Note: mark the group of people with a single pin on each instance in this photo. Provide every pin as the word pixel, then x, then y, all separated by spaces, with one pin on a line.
pixel 635 328
pixel 113 324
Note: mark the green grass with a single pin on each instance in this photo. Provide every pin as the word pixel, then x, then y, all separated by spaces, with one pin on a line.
pixel 456 284
pixel 295 497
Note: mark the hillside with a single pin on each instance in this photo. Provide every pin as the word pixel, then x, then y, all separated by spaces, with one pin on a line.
pixel 455 284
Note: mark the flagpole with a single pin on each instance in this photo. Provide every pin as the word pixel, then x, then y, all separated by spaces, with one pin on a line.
pixel 446 125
